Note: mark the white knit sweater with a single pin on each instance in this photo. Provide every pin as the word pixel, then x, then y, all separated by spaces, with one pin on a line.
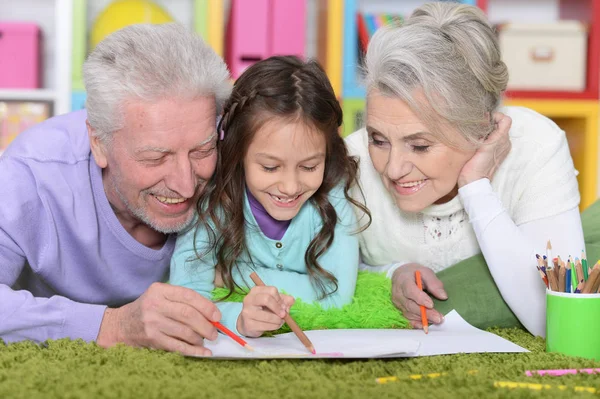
pixel 537 180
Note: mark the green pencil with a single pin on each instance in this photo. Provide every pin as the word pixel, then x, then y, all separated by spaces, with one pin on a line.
pixel 584 265
pixel 574 281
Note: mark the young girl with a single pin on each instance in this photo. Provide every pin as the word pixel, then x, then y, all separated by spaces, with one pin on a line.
pixel 278 203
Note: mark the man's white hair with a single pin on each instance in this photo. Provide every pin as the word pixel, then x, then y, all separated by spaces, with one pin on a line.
pixel 149 62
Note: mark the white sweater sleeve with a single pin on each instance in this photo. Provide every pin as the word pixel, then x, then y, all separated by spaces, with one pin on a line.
pixel 509 250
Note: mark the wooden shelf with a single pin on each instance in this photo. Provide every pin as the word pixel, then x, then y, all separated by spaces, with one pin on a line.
pixel 346 16
pixel 579 119
pixel 588 94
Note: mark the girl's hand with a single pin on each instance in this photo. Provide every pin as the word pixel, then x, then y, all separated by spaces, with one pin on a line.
pixel 264 310
pixel 490 155
pixel 408 297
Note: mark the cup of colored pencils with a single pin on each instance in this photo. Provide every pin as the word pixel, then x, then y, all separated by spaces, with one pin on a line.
pixel 572 304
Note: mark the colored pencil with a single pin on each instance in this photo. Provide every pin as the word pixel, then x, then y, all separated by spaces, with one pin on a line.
pixel 423 310
pixel 555 268
pixel 542 269
pixel 552 269
pixel 562 272
pixel 579 271
pixel 561 372
pixel 584 265
pixel 540 387
pixel 385 380
pixel 573 274
pixel 593 282
pixel 288 319
pixel 231 335
pixel 552 280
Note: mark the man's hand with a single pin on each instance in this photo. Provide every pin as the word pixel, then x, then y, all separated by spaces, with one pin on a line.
pixel 264 310
pixel 408 297
pixel 167 317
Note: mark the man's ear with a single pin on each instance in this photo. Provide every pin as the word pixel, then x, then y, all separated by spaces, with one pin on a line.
pixel 97 146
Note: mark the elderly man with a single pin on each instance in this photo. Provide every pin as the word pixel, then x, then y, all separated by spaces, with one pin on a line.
pixel 91 201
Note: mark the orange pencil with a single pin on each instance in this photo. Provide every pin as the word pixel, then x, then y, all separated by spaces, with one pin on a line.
pixel 423 312
pixel 289 321
pixel 231 335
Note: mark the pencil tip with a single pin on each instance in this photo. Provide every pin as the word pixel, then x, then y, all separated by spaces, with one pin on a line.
pixel 313 351
pixel 426 329
pixel 251 349
pixel 549 245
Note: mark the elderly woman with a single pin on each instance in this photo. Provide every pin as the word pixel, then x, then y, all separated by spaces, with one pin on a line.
pixel 448 174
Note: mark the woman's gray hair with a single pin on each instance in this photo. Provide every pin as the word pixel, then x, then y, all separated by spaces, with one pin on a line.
pixel 148 62
pixel 449 52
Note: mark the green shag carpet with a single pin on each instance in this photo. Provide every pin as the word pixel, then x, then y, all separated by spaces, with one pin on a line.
pixel 73 369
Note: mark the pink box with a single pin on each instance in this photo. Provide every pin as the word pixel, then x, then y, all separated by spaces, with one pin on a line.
pixel 247 34
pixel 259 29
pixel 20 55
pixel 288 19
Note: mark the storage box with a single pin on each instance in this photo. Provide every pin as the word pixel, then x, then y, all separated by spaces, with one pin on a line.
pixel 20 66
pixel 545 57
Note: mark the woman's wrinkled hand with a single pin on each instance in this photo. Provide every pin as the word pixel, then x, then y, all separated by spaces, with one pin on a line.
pixel 408 297
pixel 490 155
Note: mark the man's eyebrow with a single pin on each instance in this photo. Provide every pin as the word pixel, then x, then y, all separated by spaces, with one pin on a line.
pixel 152 149
pixel 167 151
pixel 208 139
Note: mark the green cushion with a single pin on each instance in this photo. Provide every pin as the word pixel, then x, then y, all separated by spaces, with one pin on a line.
pixel 472 292
pixel 590 219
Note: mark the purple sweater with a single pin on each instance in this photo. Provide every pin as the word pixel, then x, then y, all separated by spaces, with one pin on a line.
pixel 64 256
pixel 272 228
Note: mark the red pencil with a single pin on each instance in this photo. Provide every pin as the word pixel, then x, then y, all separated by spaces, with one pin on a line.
pixel 231 335
pixel 423 312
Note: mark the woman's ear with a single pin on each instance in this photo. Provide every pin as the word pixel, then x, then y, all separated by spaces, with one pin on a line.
pixel 97 146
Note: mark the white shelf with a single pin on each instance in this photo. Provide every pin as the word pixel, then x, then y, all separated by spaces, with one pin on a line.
pixel 27 95
pixel 55 19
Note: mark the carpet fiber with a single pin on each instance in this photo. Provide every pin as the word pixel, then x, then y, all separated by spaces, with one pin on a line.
pixel 73 369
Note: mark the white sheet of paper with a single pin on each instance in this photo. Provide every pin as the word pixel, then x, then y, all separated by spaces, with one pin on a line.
pixel 455 335
pixel 354 343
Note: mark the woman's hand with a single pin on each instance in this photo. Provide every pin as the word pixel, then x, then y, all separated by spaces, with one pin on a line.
pixel 263 310
pixel 490 155
pixel 408 297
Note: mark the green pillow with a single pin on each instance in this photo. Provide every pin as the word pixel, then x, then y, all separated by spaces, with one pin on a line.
pixel 590 219
pixel 472 292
